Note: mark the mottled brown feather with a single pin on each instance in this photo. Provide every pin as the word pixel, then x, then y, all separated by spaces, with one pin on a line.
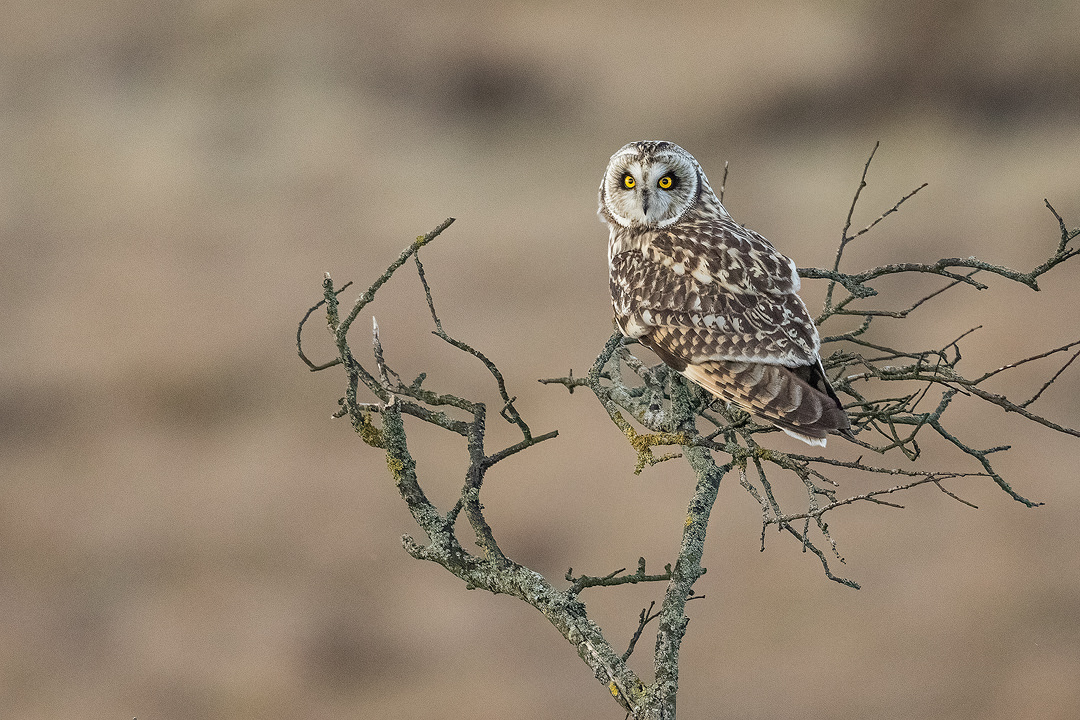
pixel 715 300
pixel 798 400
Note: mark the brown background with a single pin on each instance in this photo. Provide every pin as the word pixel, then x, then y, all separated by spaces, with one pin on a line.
pixel 184 533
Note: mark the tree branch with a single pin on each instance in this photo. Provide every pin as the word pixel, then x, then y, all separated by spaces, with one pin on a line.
pixel 655 408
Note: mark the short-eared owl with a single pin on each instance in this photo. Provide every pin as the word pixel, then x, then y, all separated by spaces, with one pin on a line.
pixel 712 299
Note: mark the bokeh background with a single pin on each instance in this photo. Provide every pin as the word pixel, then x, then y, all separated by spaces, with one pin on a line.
pixel 184 531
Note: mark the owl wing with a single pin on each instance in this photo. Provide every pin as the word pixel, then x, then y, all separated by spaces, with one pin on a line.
pixel 728 289
pixel 797 399
pixel 717 303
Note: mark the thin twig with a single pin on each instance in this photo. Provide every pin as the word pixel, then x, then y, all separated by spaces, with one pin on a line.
pixel 1018 363
pixel 646 617
pixel 844 238
pixel 1050 382
pixel 300 328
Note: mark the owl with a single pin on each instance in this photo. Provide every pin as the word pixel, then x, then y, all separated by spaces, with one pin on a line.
pixel 713 299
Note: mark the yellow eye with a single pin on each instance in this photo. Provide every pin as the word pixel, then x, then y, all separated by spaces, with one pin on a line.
pixel 665 182
pixel 628 181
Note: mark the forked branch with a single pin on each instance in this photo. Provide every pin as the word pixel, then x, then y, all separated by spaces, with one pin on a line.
pixel 897 398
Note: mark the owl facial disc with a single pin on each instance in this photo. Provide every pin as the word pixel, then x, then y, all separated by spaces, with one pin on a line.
pixel 650 184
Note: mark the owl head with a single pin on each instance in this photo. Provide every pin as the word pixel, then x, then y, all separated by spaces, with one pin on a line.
pixel 652 184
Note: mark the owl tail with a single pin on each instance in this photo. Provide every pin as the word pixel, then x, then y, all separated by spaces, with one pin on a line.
pixel 798 400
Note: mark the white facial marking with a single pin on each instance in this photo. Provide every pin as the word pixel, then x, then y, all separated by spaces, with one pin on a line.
pixel 664 186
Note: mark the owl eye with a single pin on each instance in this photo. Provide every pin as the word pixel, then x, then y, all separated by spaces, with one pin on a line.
pixel 628 181
pixel 665 182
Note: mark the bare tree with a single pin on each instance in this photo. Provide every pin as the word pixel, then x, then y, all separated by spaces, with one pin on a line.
pixel 715 440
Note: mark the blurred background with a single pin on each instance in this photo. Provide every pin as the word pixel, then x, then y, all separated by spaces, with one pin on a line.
pixel 184 531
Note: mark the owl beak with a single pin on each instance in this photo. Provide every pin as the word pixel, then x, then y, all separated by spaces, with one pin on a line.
pixel 645 197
